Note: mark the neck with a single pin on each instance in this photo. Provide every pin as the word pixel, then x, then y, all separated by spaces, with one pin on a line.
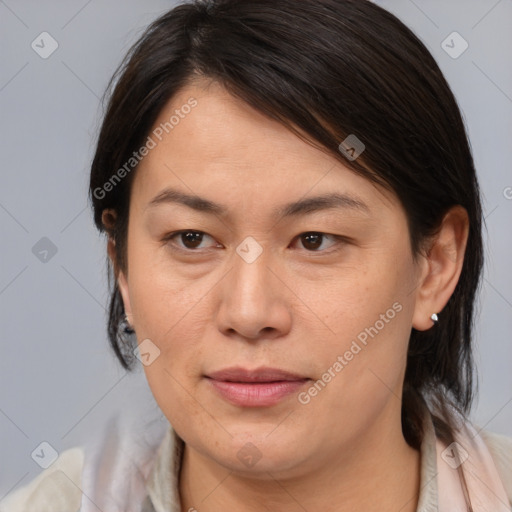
pixel 381 472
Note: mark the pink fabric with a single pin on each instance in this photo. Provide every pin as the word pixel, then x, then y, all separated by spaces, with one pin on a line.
pixel 486 490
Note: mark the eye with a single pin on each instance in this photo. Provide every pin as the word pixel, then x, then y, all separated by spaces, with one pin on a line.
pixel 313 240
pixel 190 239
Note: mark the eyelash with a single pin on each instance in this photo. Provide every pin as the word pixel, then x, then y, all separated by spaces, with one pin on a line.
pixel 169 238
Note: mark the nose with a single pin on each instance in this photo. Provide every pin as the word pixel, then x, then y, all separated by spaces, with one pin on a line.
pixel 254 301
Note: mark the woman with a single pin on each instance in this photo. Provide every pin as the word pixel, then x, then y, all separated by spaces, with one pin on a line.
pixel 294 227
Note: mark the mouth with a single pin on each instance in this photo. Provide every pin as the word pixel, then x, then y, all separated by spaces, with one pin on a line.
pixel 262 387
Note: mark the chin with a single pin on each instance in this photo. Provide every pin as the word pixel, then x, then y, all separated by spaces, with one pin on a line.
pixel 258 452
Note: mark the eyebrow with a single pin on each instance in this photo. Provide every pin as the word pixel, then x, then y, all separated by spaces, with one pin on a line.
pixel 302 207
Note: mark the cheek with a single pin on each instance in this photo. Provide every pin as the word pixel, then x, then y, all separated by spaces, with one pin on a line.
pixel 175 396
pixel 355 299
pixel 368 314
pixel 360 370
pixel 173 318
pixel 162 300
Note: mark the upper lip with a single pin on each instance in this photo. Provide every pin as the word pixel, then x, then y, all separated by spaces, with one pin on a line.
pixel 263 374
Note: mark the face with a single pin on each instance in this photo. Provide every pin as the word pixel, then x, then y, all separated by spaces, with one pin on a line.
pixel 233 264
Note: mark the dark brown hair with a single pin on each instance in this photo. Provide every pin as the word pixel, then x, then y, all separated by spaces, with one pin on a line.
pixel 330 68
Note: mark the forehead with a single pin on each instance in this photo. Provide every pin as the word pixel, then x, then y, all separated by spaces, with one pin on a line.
pixel 208 142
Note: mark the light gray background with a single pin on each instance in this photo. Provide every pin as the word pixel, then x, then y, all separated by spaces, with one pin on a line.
pixel 59 379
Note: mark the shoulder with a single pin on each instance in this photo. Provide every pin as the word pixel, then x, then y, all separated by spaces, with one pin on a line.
pixel 56 488
pixel 500 447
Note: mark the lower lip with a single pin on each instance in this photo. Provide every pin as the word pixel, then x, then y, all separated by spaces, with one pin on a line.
pixel 257 394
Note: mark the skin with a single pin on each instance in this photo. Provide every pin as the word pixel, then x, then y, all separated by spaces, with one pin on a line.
pixel 297 307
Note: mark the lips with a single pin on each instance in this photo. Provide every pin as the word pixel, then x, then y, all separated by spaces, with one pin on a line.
pixel 237 374
pixel 262 387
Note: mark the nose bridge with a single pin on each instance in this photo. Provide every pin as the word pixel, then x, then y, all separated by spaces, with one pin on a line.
pixel 251 276
pixel 251 298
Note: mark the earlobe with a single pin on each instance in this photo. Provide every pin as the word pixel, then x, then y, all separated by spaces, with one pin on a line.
pixel 443 266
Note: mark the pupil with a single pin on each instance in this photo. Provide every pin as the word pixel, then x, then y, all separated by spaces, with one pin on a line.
pixel 192 237
pixel 316 240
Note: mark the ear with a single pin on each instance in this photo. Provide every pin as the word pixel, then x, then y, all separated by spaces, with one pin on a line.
pixel 122 283
pixel 441 267
pixel 108 218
